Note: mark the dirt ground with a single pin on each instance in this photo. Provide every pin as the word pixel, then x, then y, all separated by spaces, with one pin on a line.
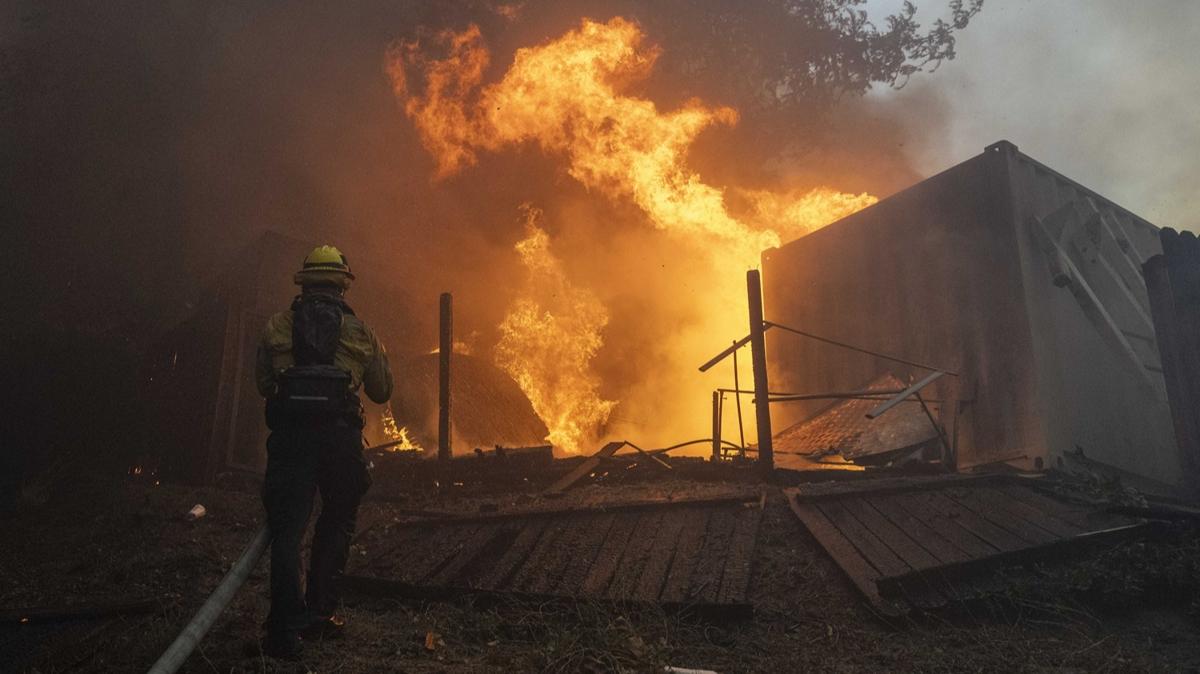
pixel 1129 608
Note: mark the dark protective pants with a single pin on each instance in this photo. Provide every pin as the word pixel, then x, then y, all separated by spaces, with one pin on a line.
pixel 301 462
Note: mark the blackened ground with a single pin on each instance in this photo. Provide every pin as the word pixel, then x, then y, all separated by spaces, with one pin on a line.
pixel 1128 608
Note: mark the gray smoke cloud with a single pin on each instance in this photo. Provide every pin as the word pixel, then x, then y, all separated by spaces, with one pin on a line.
pixel 1105 91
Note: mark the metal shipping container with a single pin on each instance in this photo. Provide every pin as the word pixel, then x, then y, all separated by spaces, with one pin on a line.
pixel 1023 281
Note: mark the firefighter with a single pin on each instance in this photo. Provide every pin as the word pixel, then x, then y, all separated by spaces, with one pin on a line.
pixel 312 361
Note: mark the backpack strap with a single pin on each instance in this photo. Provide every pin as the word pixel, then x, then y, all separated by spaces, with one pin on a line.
pixel 322 297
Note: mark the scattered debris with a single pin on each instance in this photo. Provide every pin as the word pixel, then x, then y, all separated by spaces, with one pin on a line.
pixel 912 543
pixel 584 469
pixel 844 430
pixel 692 554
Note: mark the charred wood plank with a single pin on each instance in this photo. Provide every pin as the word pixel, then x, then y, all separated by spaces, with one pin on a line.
pixel 480 598
pixel 939 521
pixel 426 559
pixel 654 573
pixel 591 508
pixel 1083 517
pixel 515 556
pixel 868 544
pixel 856 567
pixel 533 566
pixel 584 469
pixel 467 552
pixel 939 546
pixel 948 576
pixel 400 544
pixel 633 559
pixel 570 582
pixel 1048 521
pixel 484 562
pixel 736 575
pixel 906 548
pixel 997 537
pixel 710 561
pixel 683 564
pixel 1000 515
pixel 564 550
pixel 818 492
pixel 600 574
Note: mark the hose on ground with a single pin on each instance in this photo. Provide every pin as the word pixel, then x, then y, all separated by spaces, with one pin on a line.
pixel 186 642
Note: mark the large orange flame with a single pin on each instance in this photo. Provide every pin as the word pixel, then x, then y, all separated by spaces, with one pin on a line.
pixel 548 339
pixel 567 97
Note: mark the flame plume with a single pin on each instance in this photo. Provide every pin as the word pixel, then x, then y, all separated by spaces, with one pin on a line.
pixel 569 98
pixel 566 97
pixel 794 214
pixel 548 339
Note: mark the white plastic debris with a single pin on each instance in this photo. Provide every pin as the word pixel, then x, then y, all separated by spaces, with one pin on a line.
pixel 196 512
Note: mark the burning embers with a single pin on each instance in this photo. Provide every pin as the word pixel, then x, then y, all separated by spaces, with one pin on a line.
pixel 568 97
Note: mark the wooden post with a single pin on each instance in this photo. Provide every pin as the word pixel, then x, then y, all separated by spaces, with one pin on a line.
pixel 445 349
pixel 1175 308
pixel 758 356
pixel 716 426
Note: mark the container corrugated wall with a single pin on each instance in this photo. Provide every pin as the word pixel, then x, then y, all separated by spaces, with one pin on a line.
pixel 951 271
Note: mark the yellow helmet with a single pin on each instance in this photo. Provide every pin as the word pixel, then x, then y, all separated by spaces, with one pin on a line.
pixel 324 260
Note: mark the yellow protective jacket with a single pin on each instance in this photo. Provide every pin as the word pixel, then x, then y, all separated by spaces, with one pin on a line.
pixel 359 353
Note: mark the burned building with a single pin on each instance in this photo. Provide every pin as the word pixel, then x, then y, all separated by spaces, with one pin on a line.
pixel 199 386
pixel 1024 283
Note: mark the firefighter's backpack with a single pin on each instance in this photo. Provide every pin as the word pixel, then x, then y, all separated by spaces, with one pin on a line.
pixel 314 387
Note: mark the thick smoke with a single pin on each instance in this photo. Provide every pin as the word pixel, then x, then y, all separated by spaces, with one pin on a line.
pixel 147 143
pixel 1105 92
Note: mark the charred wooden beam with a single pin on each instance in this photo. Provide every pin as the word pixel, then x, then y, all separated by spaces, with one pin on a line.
pixel 945 577
pixel 592 463
pixel 744 499
pixel 445 349
pixel 716 426
pixel 758 355
pixel 385 587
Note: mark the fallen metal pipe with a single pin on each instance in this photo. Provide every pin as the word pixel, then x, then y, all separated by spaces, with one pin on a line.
pixel 186 642
pixel 899 398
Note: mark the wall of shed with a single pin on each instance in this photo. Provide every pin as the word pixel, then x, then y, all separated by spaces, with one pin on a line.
pixel 1091 396
pixel 212 415
pixel 931 274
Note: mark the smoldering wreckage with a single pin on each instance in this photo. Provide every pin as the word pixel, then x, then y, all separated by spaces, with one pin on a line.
pixel 906 444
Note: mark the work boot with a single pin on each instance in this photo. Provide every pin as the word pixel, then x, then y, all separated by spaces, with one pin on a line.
pixel 322 628
pixel 282 645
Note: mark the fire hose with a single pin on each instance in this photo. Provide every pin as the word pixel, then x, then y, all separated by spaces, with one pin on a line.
pixel 190 637
pixel 179 650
